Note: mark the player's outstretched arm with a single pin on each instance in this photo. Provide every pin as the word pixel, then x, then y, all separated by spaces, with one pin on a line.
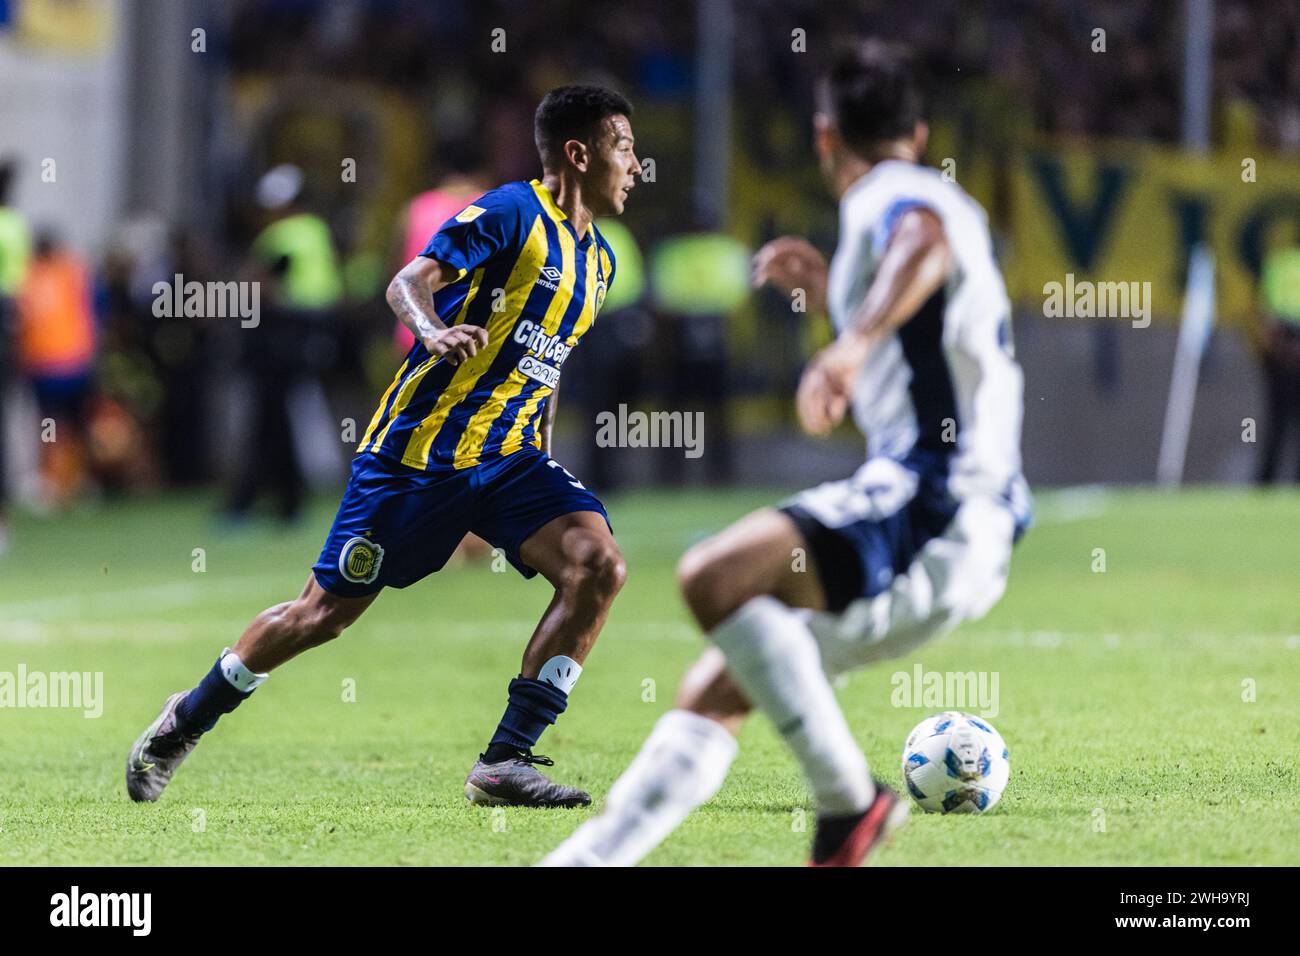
pixel 915 265
pixel 410 296
pixel 789 263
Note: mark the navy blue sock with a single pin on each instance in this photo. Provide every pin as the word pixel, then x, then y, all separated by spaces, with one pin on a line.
pixel 198 712
pixel 534 706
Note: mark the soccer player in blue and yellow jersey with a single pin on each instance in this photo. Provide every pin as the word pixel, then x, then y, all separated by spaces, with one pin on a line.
pixel 460 442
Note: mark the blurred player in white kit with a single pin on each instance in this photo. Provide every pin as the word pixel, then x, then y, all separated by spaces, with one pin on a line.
pixel 917 541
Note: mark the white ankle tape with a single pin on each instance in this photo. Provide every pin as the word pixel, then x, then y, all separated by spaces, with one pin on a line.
pixel 561 673
pixel 240 677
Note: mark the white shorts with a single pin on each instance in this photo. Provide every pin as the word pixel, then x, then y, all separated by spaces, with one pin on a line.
pixel 902 561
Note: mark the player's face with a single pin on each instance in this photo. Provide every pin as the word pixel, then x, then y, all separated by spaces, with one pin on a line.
pixel 613 169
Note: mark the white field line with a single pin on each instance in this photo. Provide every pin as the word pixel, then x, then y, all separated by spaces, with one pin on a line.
pixel 516 630
pixel 1061 506
pixel 153 597
pixel 26 630
pixel 1067 505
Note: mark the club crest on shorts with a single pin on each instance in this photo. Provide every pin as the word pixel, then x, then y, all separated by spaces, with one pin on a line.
pixel 360 559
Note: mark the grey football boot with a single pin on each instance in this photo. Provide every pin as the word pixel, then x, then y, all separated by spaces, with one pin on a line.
pixel 158 753
pixel 516 782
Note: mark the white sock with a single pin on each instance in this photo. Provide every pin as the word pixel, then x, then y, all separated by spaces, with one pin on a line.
pixel 681 765
pixel 774 658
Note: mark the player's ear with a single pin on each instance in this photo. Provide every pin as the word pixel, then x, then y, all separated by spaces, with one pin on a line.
pixel 920 136
pixel 824 134
pixel 578 154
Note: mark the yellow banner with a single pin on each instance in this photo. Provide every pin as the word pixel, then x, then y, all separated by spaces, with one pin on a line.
pixel 1084 213
pixel 66 26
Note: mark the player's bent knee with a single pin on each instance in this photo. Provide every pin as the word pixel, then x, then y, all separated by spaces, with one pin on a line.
pixel 601 570
pixel 703 579
pixel 693 574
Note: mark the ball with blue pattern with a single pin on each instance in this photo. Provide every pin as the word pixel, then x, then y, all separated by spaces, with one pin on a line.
pixel 955 763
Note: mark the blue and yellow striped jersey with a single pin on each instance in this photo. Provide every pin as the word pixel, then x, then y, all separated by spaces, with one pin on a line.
pixel 524 276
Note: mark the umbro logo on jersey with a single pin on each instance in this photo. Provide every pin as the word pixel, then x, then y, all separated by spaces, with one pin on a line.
pixel 550 278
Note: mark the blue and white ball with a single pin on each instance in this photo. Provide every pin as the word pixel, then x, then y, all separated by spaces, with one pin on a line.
pixel 955 763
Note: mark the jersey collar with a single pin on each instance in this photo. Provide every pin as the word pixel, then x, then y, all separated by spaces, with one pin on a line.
pixel 555 212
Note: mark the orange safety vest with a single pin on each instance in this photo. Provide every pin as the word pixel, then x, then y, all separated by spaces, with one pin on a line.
pixel 56 329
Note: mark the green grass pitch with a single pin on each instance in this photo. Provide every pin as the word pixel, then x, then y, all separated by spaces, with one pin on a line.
pixel 1150 709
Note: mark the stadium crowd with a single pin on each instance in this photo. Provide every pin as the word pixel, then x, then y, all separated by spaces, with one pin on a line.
pixel 138 391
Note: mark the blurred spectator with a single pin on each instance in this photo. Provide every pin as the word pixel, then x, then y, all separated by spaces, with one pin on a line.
pixel 463 180
pixel 607 370
pixel 294 341
pixel 1279 336
pixel 155 368
pixel 699 279
pixel 56 355
pixel 15 253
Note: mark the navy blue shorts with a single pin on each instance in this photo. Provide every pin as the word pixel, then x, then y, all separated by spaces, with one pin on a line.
pixel 865 531
pixel 398 524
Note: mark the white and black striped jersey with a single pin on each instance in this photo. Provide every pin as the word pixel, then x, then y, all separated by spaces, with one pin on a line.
pixel 945 390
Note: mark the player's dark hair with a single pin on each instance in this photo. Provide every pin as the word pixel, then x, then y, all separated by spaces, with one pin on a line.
pixel 8 172
pixel 871 91
pixel 573 112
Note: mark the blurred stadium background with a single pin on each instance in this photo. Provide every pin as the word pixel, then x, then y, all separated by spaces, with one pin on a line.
pixel 283 142
pixel 1105 139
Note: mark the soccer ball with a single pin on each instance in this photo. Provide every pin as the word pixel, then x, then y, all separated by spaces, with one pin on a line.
pixel 955 763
